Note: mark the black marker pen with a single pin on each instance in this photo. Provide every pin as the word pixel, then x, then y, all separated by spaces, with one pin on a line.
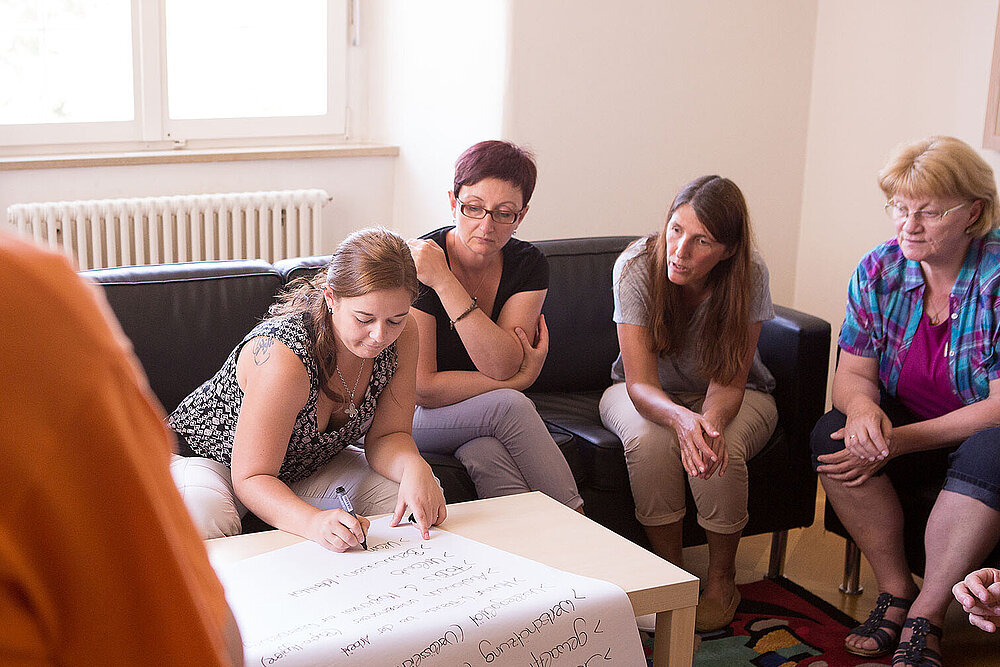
pixel 349 508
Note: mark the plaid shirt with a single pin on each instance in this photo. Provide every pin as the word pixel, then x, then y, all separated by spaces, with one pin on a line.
pixel 885 302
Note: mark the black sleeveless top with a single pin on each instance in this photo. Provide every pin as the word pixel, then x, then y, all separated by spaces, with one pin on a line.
pixel 206 419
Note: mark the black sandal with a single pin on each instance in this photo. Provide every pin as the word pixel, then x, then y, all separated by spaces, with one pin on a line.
pixel 914 651
pixel 876 625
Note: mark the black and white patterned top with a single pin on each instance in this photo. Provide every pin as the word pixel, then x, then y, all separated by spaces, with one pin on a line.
pixel 207 417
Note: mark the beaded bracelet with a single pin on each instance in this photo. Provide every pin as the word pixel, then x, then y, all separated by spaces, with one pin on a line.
pixel 472 307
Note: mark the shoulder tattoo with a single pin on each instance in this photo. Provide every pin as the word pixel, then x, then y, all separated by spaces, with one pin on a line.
pixel 262 350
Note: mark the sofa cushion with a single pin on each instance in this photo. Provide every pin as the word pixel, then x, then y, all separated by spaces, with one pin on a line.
pixel 578 309
pixel 300 267
pixel 600 457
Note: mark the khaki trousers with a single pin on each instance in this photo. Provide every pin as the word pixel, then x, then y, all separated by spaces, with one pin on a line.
pixel 207 489
pixel 658 478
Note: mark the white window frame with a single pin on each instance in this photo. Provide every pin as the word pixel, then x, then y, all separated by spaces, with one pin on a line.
pixel 152 129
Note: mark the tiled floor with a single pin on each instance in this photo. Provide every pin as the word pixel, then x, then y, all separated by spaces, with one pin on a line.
pixel 815 560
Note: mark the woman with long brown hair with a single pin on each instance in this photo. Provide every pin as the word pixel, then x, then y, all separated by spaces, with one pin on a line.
pixel 282 424
pixel 691 397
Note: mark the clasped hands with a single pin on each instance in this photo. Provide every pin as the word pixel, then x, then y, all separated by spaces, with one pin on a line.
pixel 703 446
pixel 867 437
pixel 979 595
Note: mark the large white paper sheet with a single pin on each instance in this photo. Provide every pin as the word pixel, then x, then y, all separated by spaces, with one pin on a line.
pixel 407 602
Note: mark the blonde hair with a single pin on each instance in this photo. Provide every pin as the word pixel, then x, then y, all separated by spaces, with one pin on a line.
pixel 368 260
pixel 943 167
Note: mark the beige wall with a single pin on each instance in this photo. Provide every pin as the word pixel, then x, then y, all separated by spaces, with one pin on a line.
pixel 623 105
pixel 884 73
pixel 437 78
pixel 626 102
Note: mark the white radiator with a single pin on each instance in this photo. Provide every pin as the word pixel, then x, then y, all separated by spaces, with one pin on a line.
pixel 154 230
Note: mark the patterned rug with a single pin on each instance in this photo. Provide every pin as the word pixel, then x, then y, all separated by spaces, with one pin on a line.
pixel 780 624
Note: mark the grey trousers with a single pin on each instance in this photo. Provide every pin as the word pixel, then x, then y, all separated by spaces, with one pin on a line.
pixel 503 444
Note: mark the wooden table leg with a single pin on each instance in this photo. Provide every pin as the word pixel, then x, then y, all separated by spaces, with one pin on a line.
pixel 673 643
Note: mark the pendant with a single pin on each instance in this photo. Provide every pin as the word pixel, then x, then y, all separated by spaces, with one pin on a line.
pixel 351 411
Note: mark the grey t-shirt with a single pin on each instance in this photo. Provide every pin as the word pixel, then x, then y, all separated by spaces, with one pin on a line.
pixel 680 371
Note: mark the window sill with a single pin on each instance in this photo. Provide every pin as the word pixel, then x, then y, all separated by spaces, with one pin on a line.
pixel 11 163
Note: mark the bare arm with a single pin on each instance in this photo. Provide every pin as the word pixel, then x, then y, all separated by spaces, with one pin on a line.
pixel 950 428
pixel 493 346
pixel 389 445
pixel 868 427
pixel 276 387
pixel 855 393
pixel 723 401
pixel 642 381
pixel 234 642
pixel 437 388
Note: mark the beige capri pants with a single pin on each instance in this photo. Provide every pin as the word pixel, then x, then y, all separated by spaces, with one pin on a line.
pixel 207 489
pixel 657 476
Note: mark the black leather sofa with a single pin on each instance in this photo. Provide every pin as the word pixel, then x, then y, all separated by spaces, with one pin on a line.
pixel 183 320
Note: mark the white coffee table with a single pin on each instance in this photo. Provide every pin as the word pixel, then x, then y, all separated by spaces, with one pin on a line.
pixel 535 526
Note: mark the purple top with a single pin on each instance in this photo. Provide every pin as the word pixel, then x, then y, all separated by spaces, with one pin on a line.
pixel 924 385
pixel 885 303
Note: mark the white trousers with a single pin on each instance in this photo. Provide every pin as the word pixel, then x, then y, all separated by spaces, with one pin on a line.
pixel 207 489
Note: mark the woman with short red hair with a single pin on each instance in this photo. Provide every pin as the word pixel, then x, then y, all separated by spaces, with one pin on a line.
pixel 482 337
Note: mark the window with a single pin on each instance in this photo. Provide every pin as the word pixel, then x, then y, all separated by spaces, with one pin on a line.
pixel 148 72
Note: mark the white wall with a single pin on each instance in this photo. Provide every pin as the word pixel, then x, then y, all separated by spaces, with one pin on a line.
pixel 437 70
pixel 623 106
pixel 624 103
pixel 884 73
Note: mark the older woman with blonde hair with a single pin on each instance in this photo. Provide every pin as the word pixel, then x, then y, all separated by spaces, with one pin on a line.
pixel 917 389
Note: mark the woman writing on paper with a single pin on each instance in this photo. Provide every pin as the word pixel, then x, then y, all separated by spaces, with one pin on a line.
pixel 482 338
pixel 691 400
pixel 332 367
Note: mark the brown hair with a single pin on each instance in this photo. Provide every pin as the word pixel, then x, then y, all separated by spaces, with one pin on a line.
pixel 943 167
pixel 721 208
pixel 497 159
pixel 366 261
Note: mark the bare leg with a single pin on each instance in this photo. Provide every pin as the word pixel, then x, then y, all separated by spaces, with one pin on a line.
pixel 721 582
pixel 873 516
pixel 667 541
pixel 961 532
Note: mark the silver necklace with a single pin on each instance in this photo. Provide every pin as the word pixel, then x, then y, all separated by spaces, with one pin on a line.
pixel 350 409
pixel 936 318
pixel 482 279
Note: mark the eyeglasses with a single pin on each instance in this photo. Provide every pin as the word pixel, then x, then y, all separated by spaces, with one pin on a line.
pixel 899 213
pixel 478 213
